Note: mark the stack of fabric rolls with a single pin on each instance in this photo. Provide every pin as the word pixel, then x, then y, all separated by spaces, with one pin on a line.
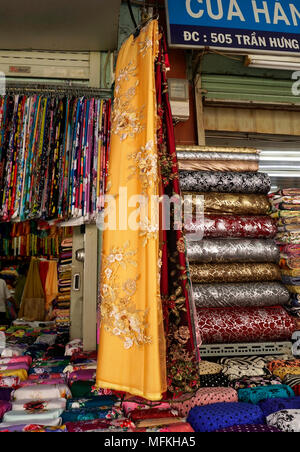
pixel 233 257
pixel 61 313
pixel 286 212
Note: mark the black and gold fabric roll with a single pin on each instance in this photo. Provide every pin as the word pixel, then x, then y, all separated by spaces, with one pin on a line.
pixel 232 273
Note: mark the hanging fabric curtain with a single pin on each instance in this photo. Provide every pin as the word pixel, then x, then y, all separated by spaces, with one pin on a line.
pixel 179 311
pixel 131 352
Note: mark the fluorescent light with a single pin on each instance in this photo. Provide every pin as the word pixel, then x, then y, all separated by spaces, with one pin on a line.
pixel 273 62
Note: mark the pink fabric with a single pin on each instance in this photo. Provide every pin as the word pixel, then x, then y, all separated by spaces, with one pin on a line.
pixel 180 427
pixel 16 359
pixel 14 366
pixel 206 396
pixel 4 406
pixel 130 406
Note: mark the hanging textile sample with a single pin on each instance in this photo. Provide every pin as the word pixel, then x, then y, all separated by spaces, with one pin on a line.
pixel 131 352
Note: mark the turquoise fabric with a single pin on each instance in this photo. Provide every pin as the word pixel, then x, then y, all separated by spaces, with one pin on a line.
pixel 93 402
pixel 258 393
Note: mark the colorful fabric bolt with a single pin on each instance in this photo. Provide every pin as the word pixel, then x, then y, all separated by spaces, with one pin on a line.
pixel 209 418
pixel 255 395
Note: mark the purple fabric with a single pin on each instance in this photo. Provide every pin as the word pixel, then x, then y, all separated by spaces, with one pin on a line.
pixel 5 393
pixel 247 428
pixel 82 375
pixel 14 366
pixel 4 406
pixel 13 428
pixel 52 381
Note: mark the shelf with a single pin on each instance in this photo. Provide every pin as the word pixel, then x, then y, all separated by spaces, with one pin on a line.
pixel 243 349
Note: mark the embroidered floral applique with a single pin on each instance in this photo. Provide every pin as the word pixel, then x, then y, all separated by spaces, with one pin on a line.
pixel 145 166
pixel 148 230
pixel 119 314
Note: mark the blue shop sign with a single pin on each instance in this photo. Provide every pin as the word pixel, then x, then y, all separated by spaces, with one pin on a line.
pixel 239 25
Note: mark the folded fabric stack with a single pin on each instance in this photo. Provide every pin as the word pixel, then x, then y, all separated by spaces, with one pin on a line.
pixel 231 249
pixel 58 395
pixel 253 401
pixel 286 211
pixel 61 313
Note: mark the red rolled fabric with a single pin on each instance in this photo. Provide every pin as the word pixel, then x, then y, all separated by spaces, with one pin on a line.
pixel 245 324
pixel 151 413
pixel 180 427
pixel 237 226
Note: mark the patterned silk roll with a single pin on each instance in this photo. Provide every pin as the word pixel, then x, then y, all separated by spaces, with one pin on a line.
pixel 232 273
pixel 218 165
pixel 200 156
pixel 232 250
pixel 235 226
pixel 228 203
pixel 249 324
pixel 240 294
pixel 230 182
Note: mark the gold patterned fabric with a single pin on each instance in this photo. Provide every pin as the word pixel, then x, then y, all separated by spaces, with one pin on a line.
pixel 209 368
pixel 215 165
pixel 131 351
pixel 240 272
pixel 281 372
pixel 231 203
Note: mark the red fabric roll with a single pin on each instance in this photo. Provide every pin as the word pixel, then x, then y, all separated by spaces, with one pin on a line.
pixel 179 427
pixel 237 226
pixel 151 413
pixel 246 324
